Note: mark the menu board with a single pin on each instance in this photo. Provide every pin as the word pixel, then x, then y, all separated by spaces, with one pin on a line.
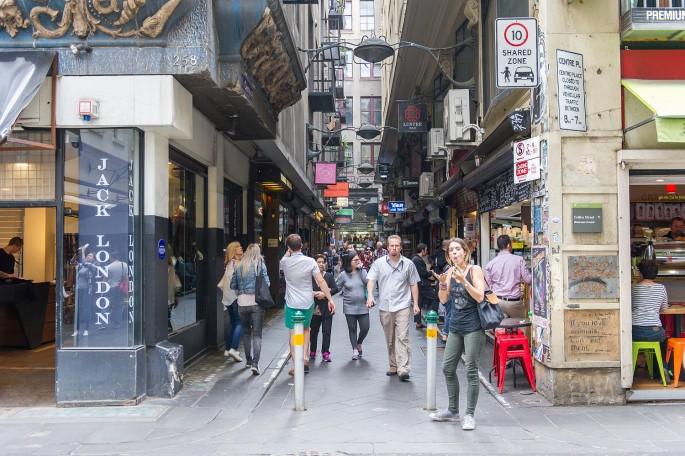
pixel 502 191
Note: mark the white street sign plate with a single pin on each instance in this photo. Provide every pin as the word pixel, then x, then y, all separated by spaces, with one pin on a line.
pixel 517 52
pixel 571 88
pixel 527 160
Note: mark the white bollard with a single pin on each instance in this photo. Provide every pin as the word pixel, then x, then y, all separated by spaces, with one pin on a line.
pixel 431 355
pixel 298 342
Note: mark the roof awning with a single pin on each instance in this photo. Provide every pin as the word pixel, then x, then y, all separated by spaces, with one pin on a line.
pixel 664 100
pixel 23 72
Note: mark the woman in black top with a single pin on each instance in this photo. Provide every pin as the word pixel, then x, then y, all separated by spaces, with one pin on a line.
pixel 322 318
pixel 465 286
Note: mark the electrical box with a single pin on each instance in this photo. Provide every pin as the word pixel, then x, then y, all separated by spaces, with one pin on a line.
pixel 457 114
pixel 426 185
pixel 436 143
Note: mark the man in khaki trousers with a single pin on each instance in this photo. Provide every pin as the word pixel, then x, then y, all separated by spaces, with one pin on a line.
pixel 398 293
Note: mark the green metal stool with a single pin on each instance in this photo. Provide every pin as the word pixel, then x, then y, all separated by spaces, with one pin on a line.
pixel 651 350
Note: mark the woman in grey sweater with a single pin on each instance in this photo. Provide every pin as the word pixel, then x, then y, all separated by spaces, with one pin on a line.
pixel 352 284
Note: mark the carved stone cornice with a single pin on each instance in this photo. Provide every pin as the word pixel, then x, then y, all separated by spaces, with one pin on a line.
pixel 88 17
pixel 10 17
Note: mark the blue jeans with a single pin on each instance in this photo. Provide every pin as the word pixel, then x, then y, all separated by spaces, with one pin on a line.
pixel 234 329
pixel 252 318
pixel 653 334
pixel 469 344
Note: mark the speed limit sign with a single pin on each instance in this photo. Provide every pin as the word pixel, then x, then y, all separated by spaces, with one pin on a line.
pixel 517 52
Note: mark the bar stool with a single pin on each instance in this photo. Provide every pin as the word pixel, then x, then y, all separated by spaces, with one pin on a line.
pixel 675 346
pixel 651 350
pixel 515 347
pixel 500 333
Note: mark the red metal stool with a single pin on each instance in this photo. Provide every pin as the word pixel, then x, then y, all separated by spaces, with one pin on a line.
pixel 515 348
pixel 501 333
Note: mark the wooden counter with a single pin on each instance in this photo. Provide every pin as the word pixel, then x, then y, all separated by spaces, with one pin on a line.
pixel 22 321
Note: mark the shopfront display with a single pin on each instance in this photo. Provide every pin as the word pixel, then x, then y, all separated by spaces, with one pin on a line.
pixel 101 239
pixel 187 209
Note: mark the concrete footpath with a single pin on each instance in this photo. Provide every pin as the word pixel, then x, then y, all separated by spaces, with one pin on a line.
pixel 352 408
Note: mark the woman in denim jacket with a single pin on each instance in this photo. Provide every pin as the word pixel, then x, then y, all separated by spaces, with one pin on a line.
pixel 244 281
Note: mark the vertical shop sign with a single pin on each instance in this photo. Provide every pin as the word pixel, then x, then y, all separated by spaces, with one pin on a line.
pixel 106 220
pixel 539 257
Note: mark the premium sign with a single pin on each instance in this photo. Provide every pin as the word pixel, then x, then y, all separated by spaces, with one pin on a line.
pixel 413 117
pixel 571 90
pixel 527 160
pixel 517 52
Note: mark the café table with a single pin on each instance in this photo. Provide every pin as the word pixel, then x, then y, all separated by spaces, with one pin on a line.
pixel 678 310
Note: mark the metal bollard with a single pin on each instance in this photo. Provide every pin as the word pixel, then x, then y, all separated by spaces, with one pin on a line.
pixel 298 342
pixel 432 342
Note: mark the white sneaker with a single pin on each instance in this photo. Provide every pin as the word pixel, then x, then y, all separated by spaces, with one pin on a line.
pixel 235 354
pixel 445 415
pixel 469 423
pixel 75 334
pixel 225 352
pixel 85 333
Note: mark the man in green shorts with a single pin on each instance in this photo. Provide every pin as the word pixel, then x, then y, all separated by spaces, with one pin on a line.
pixel 298 271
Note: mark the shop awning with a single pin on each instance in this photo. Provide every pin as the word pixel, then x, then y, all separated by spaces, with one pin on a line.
pixel 664 100
pixel 23 72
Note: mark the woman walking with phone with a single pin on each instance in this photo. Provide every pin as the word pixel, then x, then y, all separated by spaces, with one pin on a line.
pixel 352 284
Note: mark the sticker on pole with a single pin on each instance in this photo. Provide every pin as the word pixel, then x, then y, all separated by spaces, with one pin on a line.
pixel 517 52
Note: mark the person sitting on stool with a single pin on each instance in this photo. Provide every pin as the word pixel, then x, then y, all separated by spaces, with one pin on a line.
pixel 504 275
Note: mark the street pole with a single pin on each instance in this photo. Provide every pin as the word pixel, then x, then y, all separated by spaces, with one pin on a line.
pixel 432 343
pixel 298 342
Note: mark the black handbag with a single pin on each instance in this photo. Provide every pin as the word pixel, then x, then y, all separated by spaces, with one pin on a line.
pixel 262 294
pixel 489 311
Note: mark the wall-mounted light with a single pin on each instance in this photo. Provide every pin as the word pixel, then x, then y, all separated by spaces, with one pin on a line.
pixel 80 48
pixel 671 189
pixel 22 159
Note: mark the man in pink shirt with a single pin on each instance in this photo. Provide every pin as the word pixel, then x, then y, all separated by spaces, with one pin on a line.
pixel 504 275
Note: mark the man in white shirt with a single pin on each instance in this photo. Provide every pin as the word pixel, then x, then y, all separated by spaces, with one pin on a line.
pixel 298 271
pixel 398 289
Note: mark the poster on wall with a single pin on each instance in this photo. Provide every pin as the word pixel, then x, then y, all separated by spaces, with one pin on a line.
pixel 541 329
pixel 539 263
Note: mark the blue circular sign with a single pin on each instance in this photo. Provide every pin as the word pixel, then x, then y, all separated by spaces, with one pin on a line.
pixel 161 249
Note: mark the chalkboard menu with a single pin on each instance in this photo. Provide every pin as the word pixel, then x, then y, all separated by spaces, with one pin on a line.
pixel 502 191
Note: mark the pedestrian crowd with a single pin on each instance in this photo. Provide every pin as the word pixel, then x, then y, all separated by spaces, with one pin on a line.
pixel 365 277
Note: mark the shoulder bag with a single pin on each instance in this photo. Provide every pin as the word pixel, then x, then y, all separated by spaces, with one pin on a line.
pixel 123 285
pixel 262 294
pixel 489 311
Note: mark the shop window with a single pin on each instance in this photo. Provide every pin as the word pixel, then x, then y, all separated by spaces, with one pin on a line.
pixel 101 247
pixel 187 209
pixel 233 213
pixel 347 16
pixel 28 175
pixel 258 216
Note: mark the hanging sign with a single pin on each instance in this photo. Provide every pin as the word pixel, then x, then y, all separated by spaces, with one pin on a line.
pixel 527 160
pixel 517 52
pixel 571 90
pixel 325 173
pixel 341 189
pixel 413 117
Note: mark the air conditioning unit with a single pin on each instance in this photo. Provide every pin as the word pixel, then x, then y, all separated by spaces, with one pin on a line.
pixel 436 143
pixel 457 114
pixel 426 185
